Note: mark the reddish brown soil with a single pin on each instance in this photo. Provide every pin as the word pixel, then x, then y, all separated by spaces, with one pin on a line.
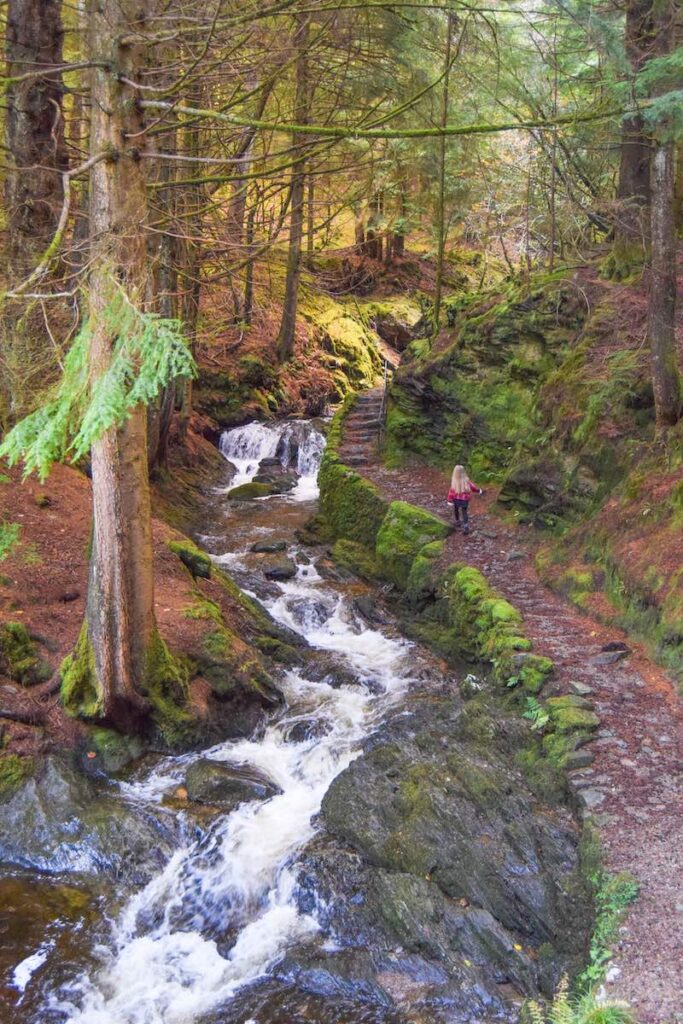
pixel 43 585
pixel 636 778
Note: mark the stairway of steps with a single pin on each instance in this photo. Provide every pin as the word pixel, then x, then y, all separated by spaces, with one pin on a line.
pixel 361 429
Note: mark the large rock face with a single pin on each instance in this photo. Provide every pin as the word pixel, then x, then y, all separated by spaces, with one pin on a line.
pixel 440 859
pixel 60 821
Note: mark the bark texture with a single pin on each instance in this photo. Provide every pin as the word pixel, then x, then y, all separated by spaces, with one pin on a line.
pixel 285 341
pixel 662 302
pixel 34 129
pixel 633 192
pixel 120 612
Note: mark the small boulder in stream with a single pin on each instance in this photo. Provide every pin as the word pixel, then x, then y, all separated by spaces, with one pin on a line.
pixel 227 785
pixel 282 569
pixel 269 547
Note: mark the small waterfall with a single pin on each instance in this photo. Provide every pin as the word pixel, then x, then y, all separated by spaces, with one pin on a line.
pixel 298 445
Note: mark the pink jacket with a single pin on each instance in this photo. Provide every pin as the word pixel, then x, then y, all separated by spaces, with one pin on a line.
pixel 463 495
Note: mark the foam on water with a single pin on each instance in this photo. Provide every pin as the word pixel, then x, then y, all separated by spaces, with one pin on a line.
pixel 223 909
pixel 296 443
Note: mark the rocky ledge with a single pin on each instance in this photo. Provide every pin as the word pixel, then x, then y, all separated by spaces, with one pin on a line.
pixel 444 882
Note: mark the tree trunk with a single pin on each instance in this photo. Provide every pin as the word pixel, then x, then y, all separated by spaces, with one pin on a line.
pixel 120 609
pixel 162 244
pixel 189 263
pixel 249 270
pixel 35 130
pixel 310 219
pixel 285 341
pixel 662 303
pixel 633 192
pixel 441 201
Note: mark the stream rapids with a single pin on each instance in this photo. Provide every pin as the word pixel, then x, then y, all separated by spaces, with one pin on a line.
pixel 317 903
pixel 166 961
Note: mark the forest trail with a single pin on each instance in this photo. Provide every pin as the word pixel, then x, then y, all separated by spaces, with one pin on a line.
pixel 634 787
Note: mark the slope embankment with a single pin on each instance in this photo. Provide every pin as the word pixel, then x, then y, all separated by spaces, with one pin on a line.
pixel 627 775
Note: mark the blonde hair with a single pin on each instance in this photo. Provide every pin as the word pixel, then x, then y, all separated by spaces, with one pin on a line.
pixel 460 482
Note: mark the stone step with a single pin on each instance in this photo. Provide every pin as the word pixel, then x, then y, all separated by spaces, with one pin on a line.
pixel 365 421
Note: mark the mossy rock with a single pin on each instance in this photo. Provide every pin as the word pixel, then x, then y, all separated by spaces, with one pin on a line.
pixel 570 714
pixel 352 507
pixel 14 770
pixel 247 492
pixel 197 561
pixel 404 532
pixel 357 558
pixel 423 575
pixel 18 656
pixel 114 751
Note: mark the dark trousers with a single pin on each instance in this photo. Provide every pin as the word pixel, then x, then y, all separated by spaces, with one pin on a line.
pixel 461 508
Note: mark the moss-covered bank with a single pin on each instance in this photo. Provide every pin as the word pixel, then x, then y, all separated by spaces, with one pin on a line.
pixel 450 607
pixel 541 386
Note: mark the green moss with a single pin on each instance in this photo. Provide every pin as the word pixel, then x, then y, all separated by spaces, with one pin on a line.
pixel 81 695
pixel 478 782
pixel 14 770
pixel 197 561
pixel 357 559
pixel 9 538
pixel 113 750
pixel 166 686
pixel 568 714
pixel 342 334
pixel 18 656
pixel 203 608
pixel 403 534
pixel 423 575
pixel 533 673
pixel 247 492
pixel 350 506
pixel 277 650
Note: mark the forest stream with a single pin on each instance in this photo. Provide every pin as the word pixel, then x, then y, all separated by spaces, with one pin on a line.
pixel 273 911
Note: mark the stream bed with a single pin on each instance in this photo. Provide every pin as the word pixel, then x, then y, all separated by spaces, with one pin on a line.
pixel 395 868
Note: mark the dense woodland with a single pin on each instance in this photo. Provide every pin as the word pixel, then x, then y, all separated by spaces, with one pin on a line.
pixel 202 202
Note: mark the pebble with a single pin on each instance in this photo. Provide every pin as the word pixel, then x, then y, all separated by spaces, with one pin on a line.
pixel 582 689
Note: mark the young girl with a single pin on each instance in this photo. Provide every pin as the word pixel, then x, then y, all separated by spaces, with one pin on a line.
pixel 459 496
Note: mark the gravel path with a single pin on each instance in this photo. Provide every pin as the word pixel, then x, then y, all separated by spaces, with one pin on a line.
pixel 634 788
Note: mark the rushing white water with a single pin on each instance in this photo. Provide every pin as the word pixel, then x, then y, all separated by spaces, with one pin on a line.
pixel 296 443
pixel 223 910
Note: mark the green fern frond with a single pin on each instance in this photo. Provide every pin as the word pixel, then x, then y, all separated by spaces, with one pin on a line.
pixel 148 352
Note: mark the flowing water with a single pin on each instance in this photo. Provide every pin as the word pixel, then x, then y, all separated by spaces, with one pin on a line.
pixel 222 911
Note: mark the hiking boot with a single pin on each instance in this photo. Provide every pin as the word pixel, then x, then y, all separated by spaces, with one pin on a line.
pixel 465 529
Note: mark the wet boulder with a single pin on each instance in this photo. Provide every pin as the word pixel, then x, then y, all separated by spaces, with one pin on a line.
pixel 269 547
pixel 226 786
pixel 254 489
pixel 272 472
pixel 282 569
pixel 59 821
pixel 436 804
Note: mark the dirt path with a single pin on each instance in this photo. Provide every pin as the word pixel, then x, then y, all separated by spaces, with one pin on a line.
pixel 634 788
